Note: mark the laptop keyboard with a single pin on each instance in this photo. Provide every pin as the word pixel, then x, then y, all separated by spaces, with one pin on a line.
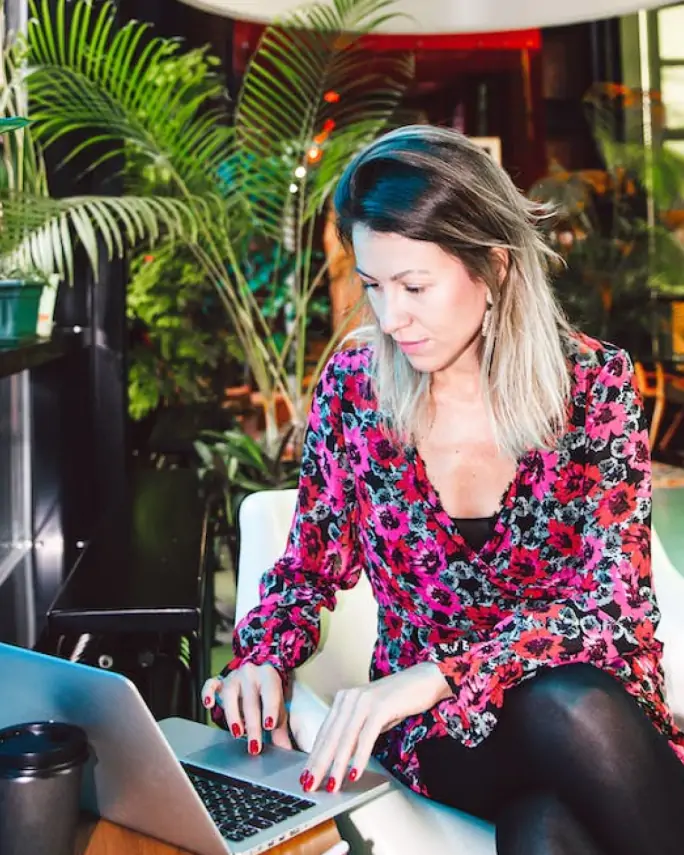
pixel 241 809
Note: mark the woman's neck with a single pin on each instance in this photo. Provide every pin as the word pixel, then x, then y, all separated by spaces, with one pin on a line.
pixel 459 381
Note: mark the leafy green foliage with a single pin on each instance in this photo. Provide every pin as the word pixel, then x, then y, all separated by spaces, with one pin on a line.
pixel 245 465
pixel 613 258
pixel 86 74
pixel 39 232
pixel 183 352
pixel 311 99
pixel 312 96
pixel 12 123
pixel 615 113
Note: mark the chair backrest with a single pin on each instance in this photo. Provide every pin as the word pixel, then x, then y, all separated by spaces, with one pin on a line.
pixel 348 634
pixel 669 587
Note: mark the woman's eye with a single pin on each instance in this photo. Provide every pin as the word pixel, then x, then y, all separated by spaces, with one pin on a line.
pixel 415 289
pixel 368 285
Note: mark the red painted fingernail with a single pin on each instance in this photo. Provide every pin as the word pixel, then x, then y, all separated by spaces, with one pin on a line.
pixel 304 777
pixel 253 747
pixel 235 730
pixel 330 786
pixel 207 701
pixel 268 724
pixel 308 784
pixel 353 773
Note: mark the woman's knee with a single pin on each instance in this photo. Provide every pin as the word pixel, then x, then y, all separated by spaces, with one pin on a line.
pixel 531 809
pixel 570 700
pixel 539 822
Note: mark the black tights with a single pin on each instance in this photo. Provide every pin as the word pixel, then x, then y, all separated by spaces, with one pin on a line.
pixel 574 767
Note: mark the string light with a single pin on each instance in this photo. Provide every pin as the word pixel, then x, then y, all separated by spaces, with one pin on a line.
pixel 300 171
pixel 293 188
pixel 314 154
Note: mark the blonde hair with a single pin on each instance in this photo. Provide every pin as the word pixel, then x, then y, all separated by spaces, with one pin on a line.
pixel 434 184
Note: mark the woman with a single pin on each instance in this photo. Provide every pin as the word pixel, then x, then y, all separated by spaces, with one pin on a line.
pixel 488 468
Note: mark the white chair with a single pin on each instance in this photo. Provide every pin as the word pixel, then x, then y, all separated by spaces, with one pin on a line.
pixel 400 822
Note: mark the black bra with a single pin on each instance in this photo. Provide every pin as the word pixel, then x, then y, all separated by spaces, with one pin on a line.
pixel 476 531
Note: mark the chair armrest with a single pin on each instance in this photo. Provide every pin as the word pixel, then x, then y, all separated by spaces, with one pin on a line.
pixel 307 713
pixel 669 588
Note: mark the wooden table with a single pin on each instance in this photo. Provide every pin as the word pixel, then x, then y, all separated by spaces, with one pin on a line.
pixel 99 837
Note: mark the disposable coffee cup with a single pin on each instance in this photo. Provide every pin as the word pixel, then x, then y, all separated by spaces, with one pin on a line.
pixel 41 766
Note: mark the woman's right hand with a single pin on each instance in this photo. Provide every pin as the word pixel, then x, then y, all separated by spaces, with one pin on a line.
pixel 252 699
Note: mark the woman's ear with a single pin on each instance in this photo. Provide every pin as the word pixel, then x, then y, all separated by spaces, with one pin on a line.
pixel 502 260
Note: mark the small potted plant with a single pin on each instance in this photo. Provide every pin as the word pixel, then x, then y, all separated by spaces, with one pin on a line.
pixel 27 299
pixel 21 290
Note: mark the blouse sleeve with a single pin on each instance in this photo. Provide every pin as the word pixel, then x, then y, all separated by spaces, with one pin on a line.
pixel 610 612
pixel 322 553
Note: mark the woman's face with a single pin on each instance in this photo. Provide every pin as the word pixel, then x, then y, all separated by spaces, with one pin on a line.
pixel 423 297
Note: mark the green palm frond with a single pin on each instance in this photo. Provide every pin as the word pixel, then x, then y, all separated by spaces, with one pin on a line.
pixel 311 85
pixel 658 168
pixel 41 233
pixel 12 123
pixel 660 171
pixel 23 168
pixel 88 75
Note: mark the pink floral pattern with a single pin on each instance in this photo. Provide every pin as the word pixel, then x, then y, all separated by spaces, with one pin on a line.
pixel 565 576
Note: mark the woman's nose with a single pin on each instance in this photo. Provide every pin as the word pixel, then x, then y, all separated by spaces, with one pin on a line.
pixel 392 316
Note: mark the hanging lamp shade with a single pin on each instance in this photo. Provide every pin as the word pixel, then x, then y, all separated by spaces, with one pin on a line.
pixel 451 16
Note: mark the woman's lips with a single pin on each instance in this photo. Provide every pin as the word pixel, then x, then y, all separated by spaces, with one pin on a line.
pixel 411 346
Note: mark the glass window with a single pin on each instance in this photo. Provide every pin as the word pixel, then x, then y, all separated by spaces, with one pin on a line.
pixel 15 509
pixel 671 32
pixel 677 146
pixel 672 86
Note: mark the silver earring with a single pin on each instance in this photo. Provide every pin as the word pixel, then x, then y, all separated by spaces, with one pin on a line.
pixel 487 319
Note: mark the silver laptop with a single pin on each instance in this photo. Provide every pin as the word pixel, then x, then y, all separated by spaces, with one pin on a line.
pixel 187 784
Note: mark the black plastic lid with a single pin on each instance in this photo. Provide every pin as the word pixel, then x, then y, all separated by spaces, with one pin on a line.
pixel 41 746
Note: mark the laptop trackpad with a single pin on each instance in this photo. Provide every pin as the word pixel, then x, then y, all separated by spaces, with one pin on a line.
pixel 231 757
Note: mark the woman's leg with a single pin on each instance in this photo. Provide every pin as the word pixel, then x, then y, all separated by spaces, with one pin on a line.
pixel 492 782
pixel 575 734
pixel 540 824
pixel 480 781
pixel 585 739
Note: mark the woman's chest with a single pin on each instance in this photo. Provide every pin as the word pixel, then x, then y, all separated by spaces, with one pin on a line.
pixel 414 551
pixel 469 477
pixel 462 462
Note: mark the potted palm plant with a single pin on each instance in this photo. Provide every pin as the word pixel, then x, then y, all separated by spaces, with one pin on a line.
pixel 311 97
pixel 38 233
pixel 19 293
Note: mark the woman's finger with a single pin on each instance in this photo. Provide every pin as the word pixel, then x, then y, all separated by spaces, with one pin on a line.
pixel 272 702
pixel 364 748
pixel 209 690
pixel 307 779
pixel 251 711
pixel 321 754
pixel 343 726
pixel 273 712
pixel 230 699
pixel 280 735
pixel 324 729
pixel 347 747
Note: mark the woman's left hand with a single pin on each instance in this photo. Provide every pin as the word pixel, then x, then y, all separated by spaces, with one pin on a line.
pixel 358 716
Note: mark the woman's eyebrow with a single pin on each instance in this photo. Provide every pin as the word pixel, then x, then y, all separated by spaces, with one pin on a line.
pixel 396 275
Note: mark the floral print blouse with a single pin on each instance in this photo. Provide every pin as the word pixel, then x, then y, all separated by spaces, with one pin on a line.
pixel 564 577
